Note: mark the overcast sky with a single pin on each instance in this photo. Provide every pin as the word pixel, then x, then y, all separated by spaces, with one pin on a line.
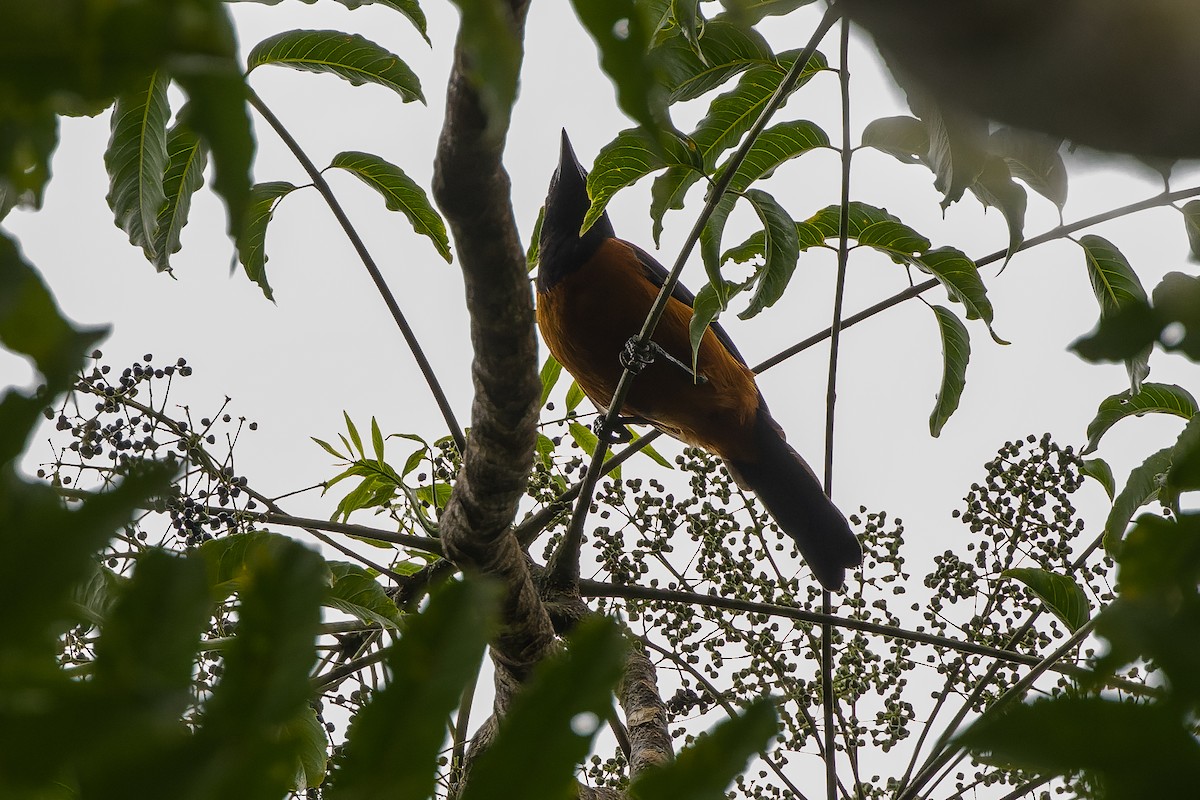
pixel 328 344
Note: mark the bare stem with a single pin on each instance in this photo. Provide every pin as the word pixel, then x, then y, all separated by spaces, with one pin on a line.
pixel 368 261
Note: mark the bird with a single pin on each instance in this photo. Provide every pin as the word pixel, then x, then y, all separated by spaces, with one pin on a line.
pixel 594 291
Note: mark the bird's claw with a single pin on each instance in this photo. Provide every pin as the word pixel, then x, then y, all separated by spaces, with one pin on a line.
pixel 619 434
pixel 638 354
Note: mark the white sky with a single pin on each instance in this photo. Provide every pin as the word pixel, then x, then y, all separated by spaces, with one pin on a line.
pixel 328 344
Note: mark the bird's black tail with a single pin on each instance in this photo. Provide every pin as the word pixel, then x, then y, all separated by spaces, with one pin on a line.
pixel 790 490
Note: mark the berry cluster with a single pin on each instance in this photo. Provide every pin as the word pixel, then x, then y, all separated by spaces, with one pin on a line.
pixel 117 419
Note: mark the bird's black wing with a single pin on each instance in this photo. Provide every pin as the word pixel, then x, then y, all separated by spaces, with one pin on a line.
pixel 656 273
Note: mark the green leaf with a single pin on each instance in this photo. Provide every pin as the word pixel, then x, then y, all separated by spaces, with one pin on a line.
pixel 780 256
pixel 688 20
pixel 956 352
pixel 807 235
pixel 376 440
pixel 583 436
pixel 751 12
pixel 95 595
pixel 957 145
pixel 1127 333
pixel 217 93
pixel 705 770
pixel 346 55
pixel 226 559
pixel 328 448
pixel 437 495
pixel 400 193
pixel 136 161
pixel 356 592
pixel 649 452
pixel 252 244
pixel 25 153
pixel 250 742
pixel 1184 475
pixel 409 8
pixel 705 309
pixel 1135 750
pixel 1099 469
pixel 417 456
pixel 535 240
pixel 1115 284
pixel 1191 223
pixel 551 724
pixel 141 681
pixel 622 32
pixel 1142 487
pixel 186 161
pixel 631 156
pixel 313 760
pixel 149 641
pixel 551 370
pixel 960 277
pixel 352 430
pixel 711 235
pixel 575 396
pixel 871 227
pixel 393 743
pixel 1177 300
pixel 544 449
pixel 1063 596
pixel 1033 158
pixel 692 69
pixel 1172 322
pixel 488 37
pixel 903 138
pixel 995 187
pixel 729 117
pixel 773 147
pixel 30 322
pixel 1113 280
pixel 1154 398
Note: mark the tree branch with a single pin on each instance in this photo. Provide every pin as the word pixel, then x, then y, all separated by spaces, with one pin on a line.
pixel 590 588
pixel 645 713
pixel 474 192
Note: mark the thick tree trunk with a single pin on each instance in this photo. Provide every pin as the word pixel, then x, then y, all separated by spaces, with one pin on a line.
pixel 473 191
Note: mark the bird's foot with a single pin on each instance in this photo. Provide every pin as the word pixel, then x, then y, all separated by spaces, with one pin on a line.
pixel 618 435
pixel 638 354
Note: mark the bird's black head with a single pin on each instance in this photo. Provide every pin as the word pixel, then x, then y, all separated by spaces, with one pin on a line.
pixel 561 248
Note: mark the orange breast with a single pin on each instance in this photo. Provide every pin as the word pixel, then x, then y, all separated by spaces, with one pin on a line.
pixel 588 316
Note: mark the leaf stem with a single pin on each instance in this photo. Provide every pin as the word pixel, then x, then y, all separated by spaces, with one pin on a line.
pixel 1061 232
pixel 828 700
pixel 389 299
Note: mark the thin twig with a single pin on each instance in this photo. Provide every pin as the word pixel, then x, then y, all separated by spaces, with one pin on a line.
pixel 828 700
pixel 971 701
pixel 1062 231
pixel 1018 689
pixel 389 299
pixel 589 588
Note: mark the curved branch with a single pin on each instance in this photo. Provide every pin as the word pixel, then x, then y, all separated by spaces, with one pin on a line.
pixel 360 247
pixel 473 191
